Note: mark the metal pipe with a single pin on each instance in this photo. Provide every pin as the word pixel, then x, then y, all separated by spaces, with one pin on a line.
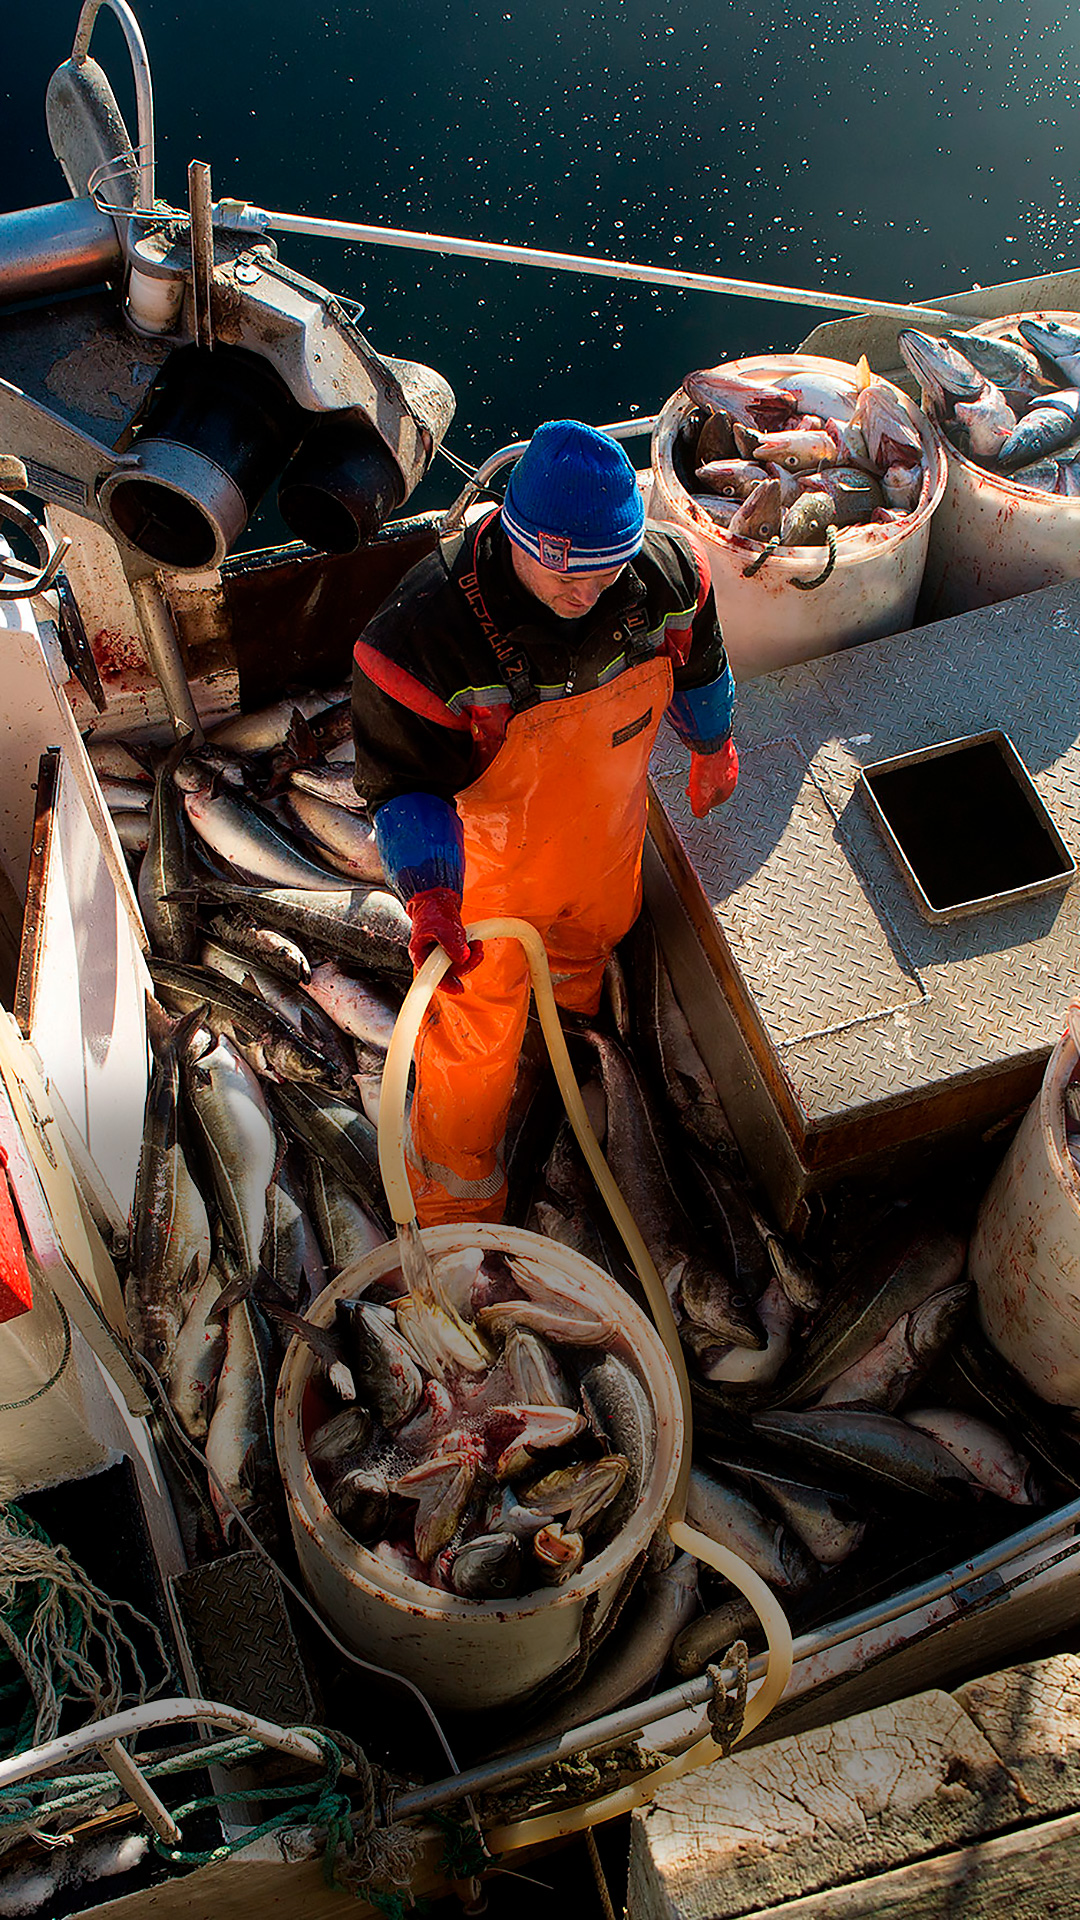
pixel 163 652
pixel 452 518
pixel 200 215
pixel 248 217
pixel 144 91
pixel 632 1720
pixel 155 1714
pixel 54 249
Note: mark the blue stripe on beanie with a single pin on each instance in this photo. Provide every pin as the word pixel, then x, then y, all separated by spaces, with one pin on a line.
pixel 573 500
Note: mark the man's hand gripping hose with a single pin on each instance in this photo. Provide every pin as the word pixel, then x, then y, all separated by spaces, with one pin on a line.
pixel 522 1833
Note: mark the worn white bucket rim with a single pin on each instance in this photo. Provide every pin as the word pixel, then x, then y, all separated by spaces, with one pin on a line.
pixel 1060 1069
pixel 357 1564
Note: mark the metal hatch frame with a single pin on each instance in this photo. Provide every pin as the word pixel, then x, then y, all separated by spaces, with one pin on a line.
pixel 939 750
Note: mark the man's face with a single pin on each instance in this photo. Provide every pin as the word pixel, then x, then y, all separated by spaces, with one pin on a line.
pixel 567 594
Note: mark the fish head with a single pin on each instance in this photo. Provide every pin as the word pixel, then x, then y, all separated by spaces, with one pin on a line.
pixel 340 1441
pixel 558 1553
pixel 550 1308
pixel 513 1434
pixel 441 1487
pixel 942 370
pixel 486 1568
pixel 1052 338
pixel 360 1500
pixel 723 387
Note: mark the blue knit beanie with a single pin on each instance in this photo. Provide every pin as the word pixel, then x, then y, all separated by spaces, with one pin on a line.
pixel 573 500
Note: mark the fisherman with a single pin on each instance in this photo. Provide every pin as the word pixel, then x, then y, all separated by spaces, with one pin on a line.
pixel 506 698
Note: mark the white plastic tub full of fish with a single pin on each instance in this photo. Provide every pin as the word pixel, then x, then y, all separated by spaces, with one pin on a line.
pixel 396 1603
pixel 841 452
pixel 1009 518
pixel 1025 1251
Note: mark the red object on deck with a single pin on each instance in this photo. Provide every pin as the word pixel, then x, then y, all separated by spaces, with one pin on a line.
pixel 16 1292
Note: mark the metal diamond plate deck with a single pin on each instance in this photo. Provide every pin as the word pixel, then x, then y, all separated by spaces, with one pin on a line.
pixel 773 877
pixel 856 1002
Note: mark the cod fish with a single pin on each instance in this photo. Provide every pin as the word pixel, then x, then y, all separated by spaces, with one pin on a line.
pixel 168 910
pixel 729 1516
pixel 1003 361
pixel 637 1161
pixel 734 478
pixel 263 946
pixel 291 1256
pixel 1016 1406
pixel 238 1142
pixel 344 1228
pixel 239 1444
pixel 359 1007
pixel 663 1034
pixel 907 1269
pixel 988 1456
pixel 268 1041
pixel 132 831
pixel 253 844
pixel 871 1450
pixel 337 1133
pixel 664 1601
pixel 198 1354
pixel 1055 341
pixel 170 1245
pixel 382 1364
pixel 941 366
pixel 890 1370
pixel 723 389
pixel 363 924
pixel 1049 426
pixel 712 1634
pixel 342 837
pixel 828 1524
pixel 748 1366
pixel 758 516
pixel 258 732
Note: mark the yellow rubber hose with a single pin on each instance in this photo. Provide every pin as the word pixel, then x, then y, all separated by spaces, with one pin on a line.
pixel 527 1833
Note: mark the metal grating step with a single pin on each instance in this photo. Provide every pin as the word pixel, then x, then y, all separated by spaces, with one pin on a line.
pixel 241 1638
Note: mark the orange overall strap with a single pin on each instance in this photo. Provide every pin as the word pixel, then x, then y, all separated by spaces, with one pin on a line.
pixel 553 834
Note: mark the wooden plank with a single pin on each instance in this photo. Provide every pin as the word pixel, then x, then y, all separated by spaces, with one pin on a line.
pixel 258 1881
pixel 41 843
pixel 1015 1876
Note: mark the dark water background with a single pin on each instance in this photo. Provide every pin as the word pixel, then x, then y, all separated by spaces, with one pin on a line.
pixel 872 146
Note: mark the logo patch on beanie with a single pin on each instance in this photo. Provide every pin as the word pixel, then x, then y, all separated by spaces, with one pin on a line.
pixel 554 551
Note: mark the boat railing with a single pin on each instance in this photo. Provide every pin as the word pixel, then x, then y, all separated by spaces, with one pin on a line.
pixel 104 1738
pixel 486 471
pixel 144 92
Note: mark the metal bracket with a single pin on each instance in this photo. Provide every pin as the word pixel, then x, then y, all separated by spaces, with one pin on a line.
pixel 18 581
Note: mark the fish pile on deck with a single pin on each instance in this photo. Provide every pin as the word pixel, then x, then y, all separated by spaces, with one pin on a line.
pixel 492 1437
pixel 462 1449
pixel 1000 400
pixel 757 463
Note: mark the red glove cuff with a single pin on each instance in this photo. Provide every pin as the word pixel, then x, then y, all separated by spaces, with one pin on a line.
pixel 436 922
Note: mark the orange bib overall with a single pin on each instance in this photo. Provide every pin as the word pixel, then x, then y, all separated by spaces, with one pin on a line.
pixel 553 834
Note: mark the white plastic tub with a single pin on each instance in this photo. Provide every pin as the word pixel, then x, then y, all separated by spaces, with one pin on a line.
pixel 1025 1251
pixel 992 537
pixel 466 1653
pixel 768 622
